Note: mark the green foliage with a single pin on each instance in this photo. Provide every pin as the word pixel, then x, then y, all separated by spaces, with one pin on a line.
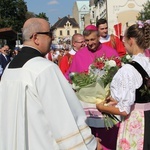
pixel 145 13
pixel 42 15
pixel 107 78
pixel 12 14
pixel 110 120
pixel 30 15
pixel 126 59
pixel 82 79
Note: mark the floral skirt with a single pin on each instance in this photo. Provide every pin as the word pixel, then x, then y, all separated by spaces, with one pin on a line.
pixel 134 131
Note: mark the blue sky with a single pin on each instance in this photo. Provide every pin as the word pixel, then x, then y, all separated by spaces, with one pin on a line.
pixel 52 8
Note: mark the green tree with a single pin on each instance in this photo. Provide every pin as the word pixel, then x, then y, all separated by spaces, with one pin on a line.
pixel 42 15
pixel 145 13
pixel 30 15
pixel 12 14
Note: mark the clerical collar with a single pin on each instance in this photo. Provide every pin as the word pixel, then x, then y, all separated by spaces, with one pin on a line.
pixel 106 39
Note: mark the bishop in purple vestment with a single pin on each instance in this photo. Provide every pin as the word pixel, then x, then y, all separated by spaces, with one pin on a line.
pixel 80 63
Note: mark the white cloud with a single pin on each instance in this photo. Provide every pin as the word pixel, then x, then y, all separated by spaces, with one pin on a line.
pixel 53 10
pixel 53 2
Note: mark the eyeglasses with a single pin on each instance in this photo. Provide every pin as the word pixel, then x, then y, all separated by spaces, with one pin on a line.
pixel 80 42
pixel 7 50
pixel 50 34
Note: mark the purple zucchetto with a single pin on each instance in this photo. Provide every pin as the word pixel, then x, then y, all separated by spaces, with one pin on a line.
pixel 91 27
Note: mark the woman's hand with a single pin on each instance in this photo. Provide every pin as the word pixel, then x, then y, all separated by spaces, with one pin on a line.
pixel 110 101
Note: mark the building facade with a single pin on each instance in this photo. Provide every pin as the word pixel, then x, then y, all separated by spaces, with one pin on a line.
pixel 81 13
pixel 120 13
pixel 64 29
pixel 116 11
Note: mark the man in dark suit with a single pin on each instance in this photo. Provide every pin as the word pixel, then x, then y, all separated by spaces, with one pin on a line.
pixel 4 58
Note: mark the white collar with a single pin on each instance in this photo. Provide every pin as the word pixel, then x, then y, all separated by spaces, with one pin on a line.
pixel 72 52
pixel 106 39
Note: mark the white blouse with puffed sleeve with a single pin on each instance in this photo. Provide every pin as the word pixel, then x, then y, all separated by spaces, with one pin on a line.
pixel 126 81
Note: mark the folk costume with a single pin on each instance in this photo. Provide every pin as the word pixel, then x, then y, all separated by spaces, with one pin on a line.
pixel 41 111
pixel 134 130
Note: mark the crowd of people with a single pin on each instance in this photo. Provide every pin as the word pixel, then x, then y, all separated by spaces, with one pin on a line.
pixel 40 110
pixel 6 55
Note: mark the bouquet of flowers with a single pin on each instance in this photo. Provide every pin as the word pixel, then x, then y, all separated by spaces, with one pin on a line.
pixel 94 86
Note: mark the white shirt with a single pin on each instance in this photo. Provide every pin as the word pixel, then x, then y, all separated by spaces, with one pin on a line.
pixel 126 81
pixel 72 52
pixel 103 40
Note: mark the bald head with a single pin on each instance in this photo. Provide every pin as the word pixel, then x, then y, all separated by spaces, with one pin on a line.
pixel 34 25
pixel 36 33
pixel 78 41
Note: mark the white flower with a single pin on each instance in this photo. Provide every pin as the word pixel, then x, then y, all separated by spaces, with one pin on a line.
pixel 112 63
pixel 109 64
pixel 128 57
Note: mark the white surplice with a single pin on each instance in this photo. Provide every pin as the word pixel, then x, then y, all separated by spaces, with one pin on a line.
pixel 40 111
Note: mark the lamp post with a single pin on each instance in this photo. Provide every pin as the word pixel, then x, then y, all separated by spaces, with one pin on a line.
pixel 18 41
pixel 18 35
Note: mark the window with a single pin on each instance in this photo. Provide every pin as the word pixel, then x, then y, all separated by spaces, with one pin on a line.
pixel 93 14
pixel 60 32
pixel 68 32
pixel 68 24
pixel 75 31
